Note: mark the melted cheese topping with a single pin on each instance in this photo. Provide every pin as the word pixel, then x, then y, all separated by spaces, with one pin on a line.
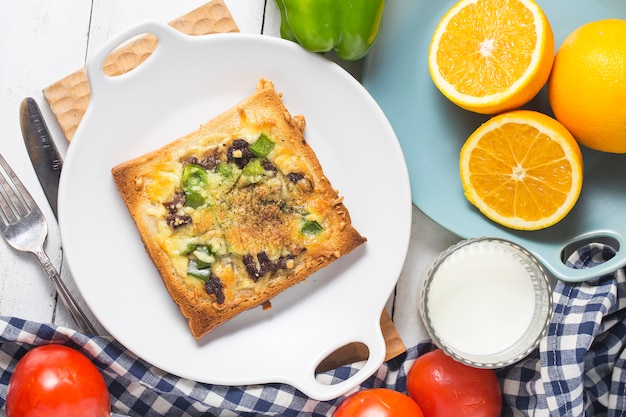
pixel 242 214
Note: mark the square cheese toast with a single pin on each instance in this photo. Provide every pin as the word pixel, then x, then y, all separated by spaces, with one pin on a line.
pixel 237 211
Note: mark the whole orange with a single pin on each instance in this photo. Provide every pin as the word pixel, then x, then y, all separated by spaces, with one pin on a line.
pixel 587 86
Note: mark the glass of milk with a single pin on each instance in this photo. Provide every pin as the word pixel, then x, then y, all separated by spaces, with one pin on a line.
pixel 486 302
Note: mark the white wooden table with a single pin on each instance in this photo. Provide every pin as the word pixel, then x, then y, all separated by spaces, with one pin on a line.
pixel 41 41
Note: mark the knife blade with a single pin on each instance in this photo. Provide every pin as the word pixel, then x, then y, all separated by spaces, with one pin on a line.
pixel 42 150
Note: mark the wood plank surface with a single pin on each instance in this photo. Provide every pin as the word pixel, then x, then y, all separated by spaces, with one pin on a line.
pixel 35 41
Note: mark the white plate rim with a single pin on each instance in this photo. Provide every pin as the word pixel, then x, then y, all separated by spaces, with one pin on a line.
pixel 71 214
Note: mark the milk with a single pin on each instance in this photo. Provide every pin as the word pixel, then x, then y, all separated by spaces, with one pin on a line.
pixel 481 299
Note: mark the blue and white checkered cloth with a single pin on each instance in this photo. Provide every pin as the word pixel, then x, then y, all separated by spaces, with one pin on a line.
pixel 578 369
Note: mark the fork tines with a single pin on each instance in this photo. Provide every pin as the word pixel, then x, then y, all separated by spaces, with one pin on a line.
pixel 16 202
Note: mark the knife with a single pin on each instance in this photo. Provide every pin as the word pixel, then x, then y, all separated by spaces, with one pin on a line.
pixel 42 150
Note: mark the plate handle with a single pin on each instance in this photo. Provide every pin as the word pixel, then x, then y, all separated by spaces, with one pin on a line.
pixel 304 378
pixel 555 264
pixel 100 81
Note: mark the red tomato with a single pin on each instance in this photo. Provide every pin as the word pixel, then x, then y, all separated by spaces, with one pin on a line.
pixel 378 402
pixel 54 381
pixel 441 386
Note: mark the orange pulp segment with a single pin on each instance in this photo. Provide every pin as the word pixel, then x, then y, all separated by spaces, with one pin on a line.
pixel 490 56
pixel 522 169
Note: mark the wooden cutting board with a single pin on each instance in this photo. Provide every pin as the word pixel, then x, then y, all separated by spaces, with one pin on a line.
pixel 68 99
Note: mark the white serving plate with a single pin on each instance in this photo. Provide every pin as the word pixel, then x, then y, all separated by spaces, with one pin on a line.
pixel 185 82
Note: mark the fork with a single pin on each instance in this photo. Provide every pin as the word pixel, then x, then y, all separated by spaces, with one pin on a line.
pixel 25 229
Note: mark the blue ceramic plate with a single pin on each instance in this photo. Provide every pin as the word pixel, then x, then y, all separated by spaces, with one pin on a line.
pixel 432 130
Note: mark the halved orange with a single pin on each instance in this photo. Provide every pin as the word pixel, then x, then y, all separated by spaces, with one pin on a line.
pixel 522 169
pixel 490 56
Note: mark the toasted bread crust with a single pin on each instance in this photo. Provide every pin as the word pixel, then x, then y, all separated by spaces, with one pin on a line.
pixel 144 186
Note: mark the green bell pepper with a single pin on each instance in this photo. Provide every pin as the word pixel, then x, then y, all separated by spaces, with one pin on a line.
pixel 196 270
pixel 193 182
pixel 349 27
pixel 311 228
pixel 262 146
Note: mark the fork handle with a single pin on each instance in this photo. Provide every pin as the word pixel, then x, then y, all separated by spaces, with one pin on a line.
pixel 84 325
